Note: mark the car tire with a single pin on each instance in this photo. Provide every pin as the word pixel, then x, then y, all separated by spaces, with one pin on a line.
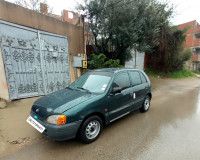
pixel 146 104
pixel 91 129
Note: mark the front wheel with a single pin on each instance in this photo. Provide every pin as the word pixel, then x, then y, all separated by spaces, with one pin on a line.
pixel 146 104
pixel 90 129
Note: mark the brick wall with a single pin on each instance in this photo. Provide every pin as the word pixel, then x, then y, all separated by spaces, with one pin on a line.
pixel 191 40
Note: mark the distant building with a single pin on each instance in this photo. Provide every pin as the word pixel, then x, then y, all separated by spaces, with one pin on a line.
pixel 193 42
pixel 67 16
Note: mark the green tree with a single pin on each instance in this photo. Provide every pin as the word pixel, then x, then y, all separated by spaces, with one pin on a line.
pixel 169 55
pixel 121 25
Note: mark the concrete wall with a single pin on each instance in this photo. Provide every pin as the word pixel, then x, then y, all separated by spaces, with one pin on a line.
pixel 139 61
pixel 16 14
pixel 22 16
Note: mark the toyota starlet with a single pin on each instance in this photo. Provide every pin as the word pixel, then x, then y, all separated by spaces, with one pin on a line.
pixel 96 99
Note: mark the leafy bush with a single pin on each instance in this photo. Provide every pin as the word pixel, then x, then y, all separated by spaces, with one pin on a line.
pixel 170 54
pixel 177 62
pixel 112 64
pixel 197 72
pixel 99 61
pixel 96 61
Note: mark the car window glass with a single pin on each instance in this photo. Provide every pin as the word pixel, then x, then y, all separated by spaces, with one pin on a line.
pixel 122 80
pixel 144 80
pixel 135 78
pixel 92 82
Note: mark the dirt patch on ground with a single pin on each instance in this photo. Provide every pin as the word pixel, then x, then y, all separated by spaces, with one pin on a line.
pixel 14 130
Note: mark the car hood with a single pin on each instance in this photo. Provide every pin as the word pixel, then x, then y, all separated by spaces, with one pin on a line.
pixel 59 101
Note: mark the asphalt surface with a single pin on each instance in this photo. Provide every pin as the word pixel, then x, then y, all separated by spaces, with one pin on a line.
pixel 170 130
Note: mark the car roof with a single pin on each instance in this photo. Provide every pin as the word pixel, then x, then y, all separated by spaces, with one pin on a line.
pixel 113 70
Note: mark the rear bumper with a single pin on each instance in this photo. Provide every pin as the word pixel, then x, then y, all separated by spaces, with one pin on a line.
pixel 62 132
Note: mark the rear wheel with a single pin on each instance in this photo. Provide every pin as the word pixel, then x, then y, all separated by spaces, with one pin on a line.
pixel 146 104
pixel 90 129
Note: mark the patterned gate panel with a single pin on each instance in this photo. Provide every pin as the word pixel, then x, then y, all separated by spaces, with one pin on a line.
pixel 56 61
pixel 18 49
pixel 33 66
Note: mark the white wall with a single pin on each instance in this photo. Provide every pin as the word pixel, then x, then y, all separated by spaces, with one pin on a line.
pixel 139 60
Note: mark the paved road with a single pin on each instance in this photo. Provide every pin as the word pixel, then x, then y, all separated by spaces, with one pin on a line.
pixel 170 130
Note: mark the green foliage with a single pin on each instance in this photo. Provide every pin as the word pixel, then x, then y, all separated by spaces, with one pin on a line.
pixel 119 26
pixel 143 25
pixel 169 55
pixel 112 64
pixel 99 61
pixel 177 61
pixel 197 72
pixel 153 73
pixel 184 73
pixel 181 74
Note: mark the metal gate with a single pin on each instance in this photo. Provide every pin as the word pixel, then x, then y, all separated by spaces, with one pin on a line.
pixel 36 62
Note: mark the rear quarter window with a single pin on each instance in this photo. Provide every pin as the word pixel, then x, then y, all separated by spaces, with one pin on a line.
pixel 143 78
pixel 135 78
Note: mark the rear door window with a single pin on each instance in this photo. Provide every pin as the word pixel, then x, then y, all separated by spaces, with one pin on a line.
pixel 135 78
pixel 122 80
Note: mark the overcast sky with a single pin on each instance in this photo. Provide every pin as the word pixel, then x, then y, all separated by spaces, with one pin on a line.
pixel 185 10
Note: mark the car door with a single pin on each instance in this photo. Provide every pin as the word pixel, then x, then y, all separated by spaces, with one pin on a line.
pixel 145 85
pixel 138 89
pixel 119 104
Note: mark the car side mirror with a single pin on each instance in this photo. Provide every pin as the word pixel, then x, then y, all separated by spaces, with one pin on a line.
pixel 116 90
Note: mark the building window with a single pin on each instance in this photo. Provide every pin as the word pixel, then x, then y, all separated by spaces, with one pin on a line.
pixel 197 51
pixel 194 66
pixel 70 15
pixel 197 35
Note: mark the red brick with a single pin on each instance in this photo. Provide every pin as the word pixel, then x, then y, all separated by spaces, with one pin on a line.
pixel 194 27
pixel 196 42
pixel 194 57
pixel 189 40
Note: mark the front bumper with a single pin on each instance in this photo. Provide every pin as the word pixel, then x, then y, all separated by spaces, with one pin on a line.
pixel 60 132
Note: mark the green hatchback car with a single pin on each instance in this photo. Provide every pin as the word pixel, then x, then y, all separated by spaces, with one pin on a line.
pixel 94 100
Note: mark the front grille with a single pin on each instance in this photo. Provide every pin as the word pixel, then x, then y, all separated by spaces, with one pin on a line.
pixel 33 114
pixel 41 113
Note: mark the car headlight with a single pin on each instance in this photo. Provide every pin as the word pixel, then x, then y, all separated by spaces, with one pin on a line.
pixel 57 119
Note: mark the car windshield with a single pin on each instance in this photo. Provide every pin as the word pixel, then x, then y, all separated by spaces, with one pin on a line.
pixel 93 82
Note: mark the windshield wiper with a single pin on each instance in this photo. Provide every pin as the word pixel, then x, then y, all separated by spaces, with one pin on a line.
pixel 72 88
pixel 68 88
pixel 84 89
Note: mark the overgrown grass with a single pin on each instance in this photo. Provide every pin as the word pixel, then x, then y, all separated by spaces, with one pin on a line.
pixel 179 74
pixel 197 72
